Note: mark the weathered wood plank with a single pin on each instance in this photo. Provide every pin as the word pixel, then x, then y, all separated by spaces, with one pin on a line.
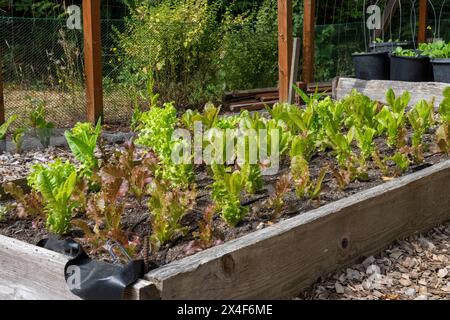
pixel 376 89
pixel 31 272
pixel 281 260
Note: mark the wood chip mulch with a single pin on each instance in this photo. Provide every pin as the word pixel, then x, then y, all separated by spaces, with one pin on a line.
pixel 417 268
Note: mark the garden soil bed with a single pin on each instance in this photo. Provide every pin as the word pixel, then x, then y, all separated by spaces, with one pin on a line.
pixel 137 219
pixel 224 266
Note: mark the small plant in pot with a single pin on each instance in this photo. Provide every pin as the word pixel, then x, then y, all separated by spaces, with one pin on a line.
pixel 3 131
pixel 379 45
pixel 439 52
pixel 410 65
pixel 375 65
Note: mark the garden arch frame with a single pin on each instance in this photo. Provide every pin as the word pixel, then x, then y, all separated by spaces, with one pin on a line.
pixel 285 39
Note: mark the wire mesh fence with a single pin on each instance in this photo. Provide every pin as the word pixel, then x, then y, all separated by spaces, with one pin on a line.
pixel 43 61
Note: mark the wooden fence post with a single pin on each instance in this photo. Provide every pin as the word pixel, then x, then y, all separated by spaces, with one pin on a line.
pixel 423 12
pixel 309 13
pixel 284 47
pixel 93 59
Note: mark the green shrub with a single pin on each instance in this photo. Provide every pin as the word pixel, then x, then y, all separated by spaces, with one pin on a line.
pixel 176 40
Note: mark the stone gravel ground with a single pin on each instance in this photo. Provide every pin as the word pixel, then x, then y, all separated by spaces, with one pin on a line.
pixel 417 268
pixel 14 166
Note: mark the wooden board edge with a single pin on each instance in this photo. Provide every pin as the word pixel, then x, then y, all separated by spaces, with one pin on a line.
pixel 376 89
pixel 38 258
pixel 222 261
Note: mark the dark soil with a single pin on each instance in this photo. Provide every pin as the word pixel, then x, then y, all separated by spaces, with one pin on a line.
pixel 137 220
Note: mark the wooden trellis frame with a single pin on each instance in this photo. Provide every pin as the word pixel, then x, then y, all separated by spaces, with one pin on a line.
pixel 423 12
pixel 285 40
pixel 93 59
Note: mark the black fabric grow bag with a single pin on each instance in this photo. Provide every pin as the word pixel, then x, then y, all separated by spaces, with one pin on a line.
pixel 413 69
pixel 371 66
pixel 441 70
pixel 99 280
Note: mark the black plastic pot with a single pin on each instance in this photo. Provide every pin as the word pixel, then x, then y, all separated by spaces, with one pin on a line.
pixel 413 69
pixel 388 46
pixel 441 70
pixel 371 66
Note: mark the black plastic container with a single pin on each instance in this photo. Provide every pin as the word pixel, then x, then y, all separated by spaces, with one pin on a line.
pixel 389 46
pixel 441 70
pixel 413 69
pixel 371 66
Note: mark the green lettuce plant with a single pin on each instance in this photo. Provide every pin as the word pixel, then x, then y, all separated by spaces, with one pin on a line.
pixel 304 186
pixel 155 129
pixel 226 193
pixel 56 182
pixel 393 125
pixel 360 110
pixel 5 126
pixel 401 162
pixel 82 140
pixel 18 137
pixel 436 49
pixel 208 118
pixel 364 137
pixel 303 146
pixel 399 51
pixel 421 119
pixel 37 120
pixel 253 179
pixel 341 144
pixel 443 131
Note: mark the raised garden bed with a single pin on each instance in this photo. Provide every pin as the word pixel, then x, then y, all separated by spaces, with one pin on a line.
pixel 227 231
pixel 276 262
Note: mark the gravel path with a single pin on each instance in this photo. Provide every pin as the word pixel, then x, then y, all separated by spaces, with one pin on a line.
pixel 417 268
